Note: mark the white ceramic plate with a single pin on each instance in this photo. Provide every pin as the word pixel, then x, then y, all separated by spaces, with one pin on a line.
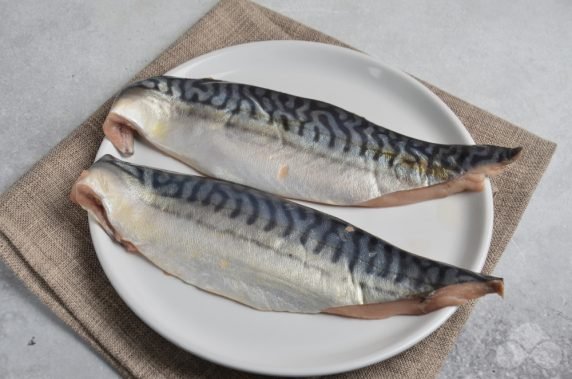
pixel 456 230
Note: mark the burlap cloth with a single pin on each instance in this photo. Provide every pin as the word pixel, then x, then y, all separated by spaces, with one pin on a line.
pixel 44 238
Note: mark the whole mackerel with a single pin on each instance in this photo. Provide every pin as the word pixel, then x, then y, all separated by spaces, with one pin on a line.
pixel 292 146
pixel 263 251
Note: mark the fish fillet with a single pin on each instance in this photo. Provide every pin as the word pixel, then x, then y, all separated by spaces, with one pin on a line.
pixel 292 146
pixel 263 251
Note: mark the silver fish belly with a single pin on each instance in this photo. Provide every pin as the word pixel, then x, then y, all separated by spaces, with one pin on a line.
pixel 293 146
pixel 263 251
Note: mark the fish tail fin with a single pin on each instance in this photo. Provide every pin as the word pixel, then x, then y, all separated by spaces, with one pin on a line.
pixel 458 294
pixel 487 159
pixel 450 295
pixel 469 165
pixel 512 154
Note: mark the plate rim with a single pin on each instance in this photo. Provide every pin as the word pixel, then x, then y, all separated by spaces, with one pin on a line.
pixel 344 366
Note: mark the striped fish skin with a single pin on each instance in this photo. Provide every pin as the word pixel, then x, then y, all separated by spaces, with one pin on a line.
pixel 257 248
pixel 287 145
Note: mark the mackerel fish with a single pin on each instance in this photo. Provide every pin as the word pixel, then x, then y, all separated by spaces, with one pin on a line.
pixel 293 146
pixel 263 251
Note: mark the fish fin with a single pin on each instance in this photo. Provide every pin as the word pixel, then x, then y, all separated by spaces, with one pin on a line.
pixel 505 156
pixel 474 182
pixel 120 131
pixel 452 295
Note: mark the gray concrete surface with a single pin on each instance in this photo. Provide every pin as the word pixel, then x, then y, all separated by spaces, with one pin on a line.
pixel 60 59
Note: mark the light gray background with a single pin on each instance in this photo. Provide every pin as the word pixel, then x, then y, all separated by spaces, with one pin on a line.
pixel 59 60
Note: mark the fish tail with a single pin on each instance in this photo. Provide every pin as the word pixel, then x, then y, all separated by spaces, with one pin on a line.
pixel 469 165
pixel 487 159
pixel 512 154
pixel 458 294
pixel 454 294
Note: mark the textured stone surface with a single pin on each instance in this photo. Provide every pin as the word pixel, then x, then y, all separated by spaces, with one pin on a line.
pixel 60 60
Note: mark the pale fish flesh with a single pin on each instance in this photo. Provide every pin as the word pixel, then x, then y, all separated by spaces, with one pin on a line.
pixel 292 146
pixel 263 251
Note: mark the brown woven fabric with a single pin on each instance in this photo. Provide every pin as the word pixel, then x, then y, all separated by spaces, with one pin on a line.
pixel 44 237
